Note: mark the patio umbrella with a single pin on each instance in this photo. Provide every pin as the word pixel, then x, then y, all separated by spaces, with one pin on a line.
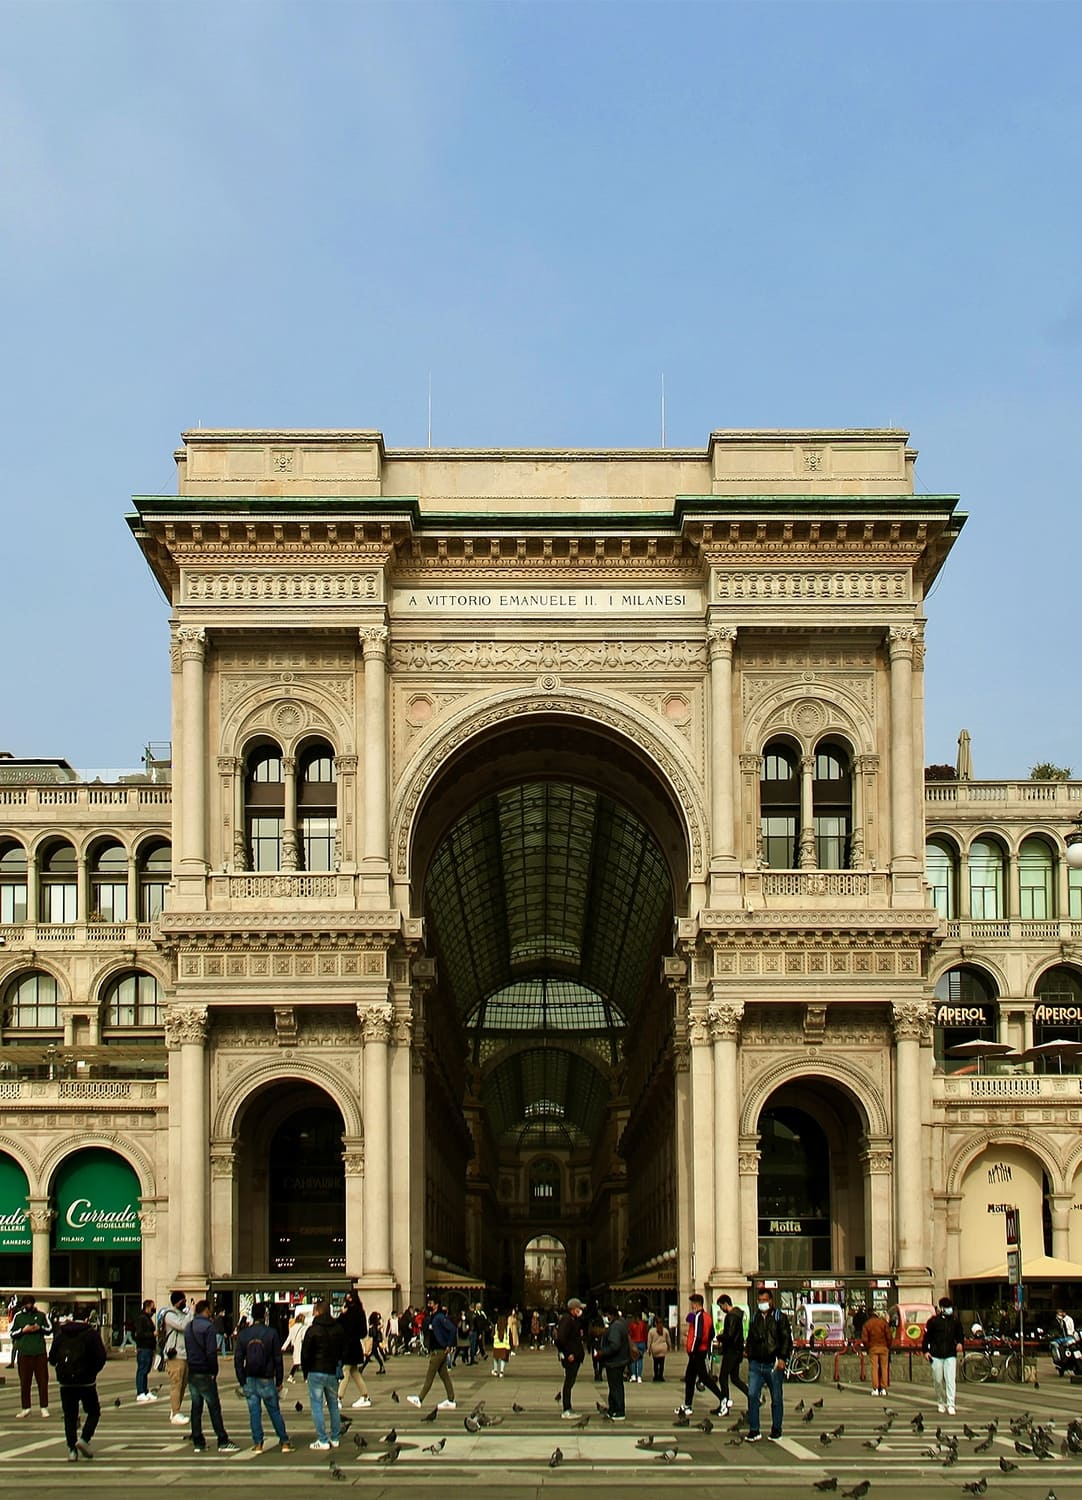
pixel 965 757
pixel 1059 1048
pixel 981 1049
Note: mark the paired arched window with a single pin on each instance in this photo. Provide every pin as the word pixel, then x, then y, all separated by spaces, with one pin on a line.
pixel 317 808
pixel 132 1001
pixel 941 871
pixel 986 881
pixel 109 883
pixel 155 870
pixel 32 1003
pixel 792 802
pixel 1036 880
pixel 291 817
pixel 13 868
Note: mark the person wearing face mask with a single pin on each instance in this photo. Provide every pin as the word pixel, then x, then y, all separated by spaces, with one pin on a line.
pixel 942 1345
pixel 768 1347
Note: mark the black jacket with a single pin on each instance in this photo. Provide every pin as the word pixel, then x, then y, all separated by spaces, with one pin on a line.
pixel 942 1335
pixel 321 1352
pixel 769 1337
pixel 731 1337
pixel 616 1345
pixel 569 1338
pixel 90 1356
pixel 144 1332
pixel 201 1344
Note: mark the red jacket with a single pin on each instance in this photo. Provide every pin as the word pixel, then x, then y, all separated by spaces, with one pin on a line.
pixel 700 1331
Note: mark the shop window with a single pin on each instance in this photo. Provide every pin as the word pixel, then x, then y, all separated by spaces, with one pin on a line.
pixel 1036 881
pixel 779 804
pixel 986 884
pixel 13 870
pixel 32 1003
pixel 941 870
pixel 109 883
pixel 59 884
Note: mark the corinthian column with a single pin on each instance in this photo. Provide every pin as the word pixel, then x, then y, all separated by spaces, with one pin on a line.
pixel 191 643
pixel 722 826
pixel 41 1218
pixel 374 644
pixel 186 1036
pixel 903 803
pixel 724 1023
pixel 375 1037
pixel 912 1025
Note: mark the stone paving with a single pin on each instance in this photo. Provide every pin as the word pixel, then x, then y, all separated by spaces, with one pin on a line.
pixel 136 1446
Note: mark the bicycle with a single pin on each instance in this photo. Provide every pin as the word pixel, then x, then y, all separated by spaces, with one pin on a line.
pixel 997 1359
pixel 804 1366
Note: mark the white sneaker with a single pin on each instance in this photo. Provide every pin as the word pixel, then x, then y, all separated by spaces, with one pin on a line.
pixel 24 1413
pixel 568 1416
pixel 362 1401
pixel 950 1411
pixel 447 1405
pixel 414 1400
pixel 319 1447
pixel 150 1396
pixel 178 1419
pixel 44 1411
pixel 941 1408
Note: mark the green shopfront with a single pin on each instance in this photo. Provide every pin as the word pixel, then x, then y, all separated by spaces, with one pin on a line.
pixel 97 1238
pixel 15 1236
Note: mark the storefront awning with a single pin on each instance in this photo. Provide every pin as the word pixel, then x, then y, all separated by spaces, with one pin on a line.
pixel 1034 1268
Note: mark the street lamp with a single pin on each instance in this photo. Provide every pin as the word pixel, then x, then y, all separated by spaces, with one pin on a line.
pixel 1074 845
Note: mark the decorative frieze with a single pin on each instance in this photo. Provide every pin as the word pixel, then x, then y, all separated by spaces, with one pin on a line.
pixel 531 657
pixel 807 585
pixel 242 586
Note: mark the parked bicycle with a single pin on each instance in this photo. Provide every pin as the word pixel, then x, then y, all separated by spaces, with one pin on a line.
pixel 804 1366
pixel 998 1358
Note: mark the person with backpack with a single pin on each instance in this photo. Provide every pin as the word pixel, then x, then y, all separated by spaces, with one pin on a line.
pixel 146 1344
pixel 769 1346
pixel 731 1343
pixel 77 1355
pixel 700 1341
pixel 201 1344
pixel 29 1329
pixel 257 1361
pixel 615 1357
pixel 175 1320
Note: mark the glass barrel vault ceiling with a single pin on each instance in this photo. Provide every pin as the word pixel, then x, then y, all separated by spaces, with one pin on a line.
pixel 548 904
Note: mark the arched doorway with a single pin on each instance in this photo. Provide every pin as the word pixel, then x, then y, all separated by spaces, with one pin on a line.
pixel 97 1232
pixel 550 861
pixel 291 1201
pixel 544 1273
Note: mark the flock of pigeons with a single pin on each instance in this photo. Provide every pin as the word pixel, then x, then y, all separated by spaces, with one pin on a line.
pixel 1040 1441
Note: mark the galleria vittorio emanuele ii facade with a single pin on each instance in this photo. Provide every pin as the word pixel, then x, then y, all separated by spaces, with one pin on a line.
pixel 543 892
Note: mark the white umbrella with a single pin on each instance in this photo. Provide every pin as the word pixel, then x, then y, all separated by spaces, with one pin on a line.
pixel 980 1049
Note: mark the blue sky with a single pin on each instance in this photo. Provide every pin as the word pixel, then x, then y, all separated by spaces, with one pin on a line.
pixel 288 214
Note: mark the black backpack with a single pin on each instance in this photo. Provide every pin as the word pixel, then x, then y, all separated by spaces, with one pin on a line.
pixel 257 1360
pixel 73 1359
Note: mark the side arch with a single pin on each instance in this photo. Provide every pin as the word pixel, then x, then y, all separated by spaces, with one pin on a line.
pixel 671 767
pixel 861 1089
pixel 15 1147
pixel 966 1154
pixel 810 712
pixel 121 1146
pixel 307 710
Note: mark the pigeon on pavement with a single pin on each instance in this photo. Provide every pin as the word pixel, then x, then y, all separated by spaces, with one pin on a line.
pixel 645 1442
pixel 391 1456
pixel 667 1457
pixel 389 1437
pixel 432 1415
pixel 436 1447
pixel 827 1484
pixel 556 1458
pixel 858 1491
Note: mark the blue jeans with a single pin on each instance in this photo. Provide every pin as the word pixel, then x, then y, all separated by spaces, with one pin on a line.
pixel 144 1363
pixel 204 1388
pixel 636 1364
pixel 260 1393
pixel 764 1372
pixel 324 1387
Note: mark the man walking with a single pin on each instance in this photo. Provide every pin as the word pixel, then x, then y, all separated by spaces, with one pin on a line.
pixel 257 1361
pixel 943 1343
pixel 699 1342
pixel 769 1345
pixel 731 1340
pixel 77 1355
pixel 146 1342
pixel 176 1319
pixel 201 1347
pixel 321 1354
pixel 572 1350
pixel 615 1358
pixel 442 1336
pixel 875 1336
pixel 29 1329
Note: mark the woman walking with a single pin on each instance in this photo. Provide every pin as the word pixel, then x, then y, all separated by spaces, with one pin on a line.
pixel 354 1325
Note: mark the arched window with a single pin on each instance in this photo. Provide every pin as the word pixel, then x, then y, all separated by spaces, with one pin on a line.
pixel 779 804
pixel 832 807
pixel 1057 1015
pixel 155 867
pixel 986 881
pixel 109 883
pixel 13 866
pixel 59 884
pixel 317 807
pixel 264 806
pixel 1036 882
pixel 966 1012
pixel 132 1000
pixel 545 1186
pixel 1074 894
pixel 32 1003
pixel 941 870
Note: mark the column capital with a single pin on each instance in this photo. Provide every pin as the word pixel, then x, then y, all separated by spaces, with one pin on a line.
pixel 868 764
pixel 720 640
pixel 912 1020
pixel 376 1023
pixel 877 1153
pixel 751 765
pixel 346 764
pixel 41 1219
pixel 373 639
pixel 186 1025
pixel 903 640
pixel 191 641
pixel 353 1155
pixel 724 1020
pixel 223 1158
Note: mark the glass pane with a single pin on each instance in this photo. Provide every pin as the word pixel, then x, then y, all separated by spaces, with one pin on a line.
pixel 111 857
pixel 110 901
pixel 940 872
pixel 1035 880
pixel 159 861
pixel 61 902
pixel 778 766
pixel 265 839
pixel 266 765
pixel 13 860
pixel 12 903
pixel 318 836
pixel 152 898
pixel 831 842
pixel 34 1002
pixel 779 841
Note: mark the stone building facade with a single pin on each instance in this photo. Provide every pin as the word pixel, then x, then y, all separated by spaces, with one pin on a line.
pixel 541 864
